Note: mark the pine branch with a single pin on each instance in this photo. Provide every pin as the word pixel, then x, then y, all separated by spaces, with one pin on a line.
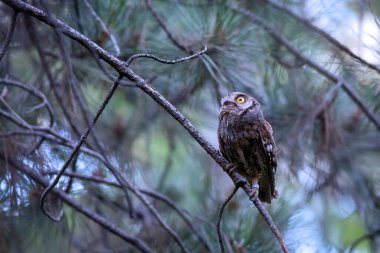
pixel 103 25
pixel 154 194
pixel 120 67
pixel 76 149
pixel 102 221
pixel 220 214
pixel 324 72
pixel 324 34
pixel 9 35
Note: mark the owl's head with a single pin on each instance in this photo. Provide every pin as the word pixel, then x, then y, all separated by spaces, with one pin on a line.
pixel 238 103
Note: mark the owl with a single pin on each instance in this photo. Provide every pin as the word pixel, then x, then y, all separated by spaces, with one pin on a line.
pixel 246 140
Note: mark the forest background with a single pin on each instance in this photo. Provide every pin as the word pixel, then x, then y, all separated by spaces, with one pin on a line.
pixel 141 181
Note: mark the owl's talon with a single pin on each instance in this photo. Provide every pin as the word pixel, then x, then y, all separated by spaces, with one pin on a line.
pixel 254 193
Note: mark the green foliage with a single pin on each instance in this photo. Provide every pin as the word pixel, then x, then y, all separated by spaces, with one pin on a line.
pixel 325 160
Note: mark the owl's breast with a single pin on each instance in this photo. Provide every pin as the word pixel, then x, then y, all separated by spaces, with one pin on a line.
pixel 238 141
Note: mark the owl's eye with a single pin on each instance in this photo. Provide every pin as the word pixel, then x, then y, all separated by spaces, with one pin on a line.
pixel 240 100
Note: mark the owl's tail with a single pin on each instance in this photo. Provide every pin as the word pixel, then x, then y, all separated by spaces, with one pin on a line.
pixel 267 188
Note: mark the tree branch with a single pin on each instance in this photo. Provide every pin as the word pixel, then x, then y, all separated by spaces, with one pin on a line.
pixel 120 67
pixel 151 56
pixel 104 27
pixel 133 240
pixel 153 194
pixel 220 214
pixel 178 44
pixel 324 34
pixel 9 35
pixel 76 149
pixel 324 72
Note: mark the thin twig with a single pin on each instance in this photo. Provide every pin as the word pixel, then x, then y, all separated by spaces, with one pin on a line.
pixel 30 89
pixel 119 176
pixel 268 219
pixel 84 112
pixel 220 214
pixel 154 94
pixel 205 59
pixel 133 240
pixel 151 56
pixel 15 118
pixel 77 13
pixel 166 30
pixel 103 25
pixel 327 100
pixel 14 114
pixel 332 77
pixel 124 181
pixel 119 66
pixel 153 194
pixel 9 35
pixel 45 66
pixel 370 236
pixel 324 34
pixel 76 149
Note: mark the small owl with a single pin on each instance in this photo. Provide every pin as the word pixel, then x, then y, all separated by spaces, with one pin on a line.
pixel 245 139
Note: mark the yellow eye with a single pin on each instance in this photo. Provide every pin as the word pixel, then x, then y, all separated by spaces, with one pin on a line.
pixel 240 100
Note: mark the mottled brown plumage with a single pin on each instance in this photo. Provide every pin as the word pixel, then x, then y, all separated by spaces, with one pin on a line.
pixel 245 139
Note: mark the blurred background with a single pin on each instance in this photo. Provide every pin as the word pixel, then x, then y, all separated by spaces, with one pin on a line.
pixel 328 174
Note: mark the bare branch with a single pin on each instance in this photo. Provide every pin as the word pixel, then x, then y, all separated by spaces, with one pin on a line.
pixel 220 214
pixel 104 27
pixel 153 194
pixel 209 149
pixel 33 36
pixel 133 240
pixel 9 35
pixel 151 56
pixel 327 100
pixel 76 149
pixel 29 88
pixel 268 220
pixel 149 90
pixel 178 44
pixel 332 77
pixel 324 34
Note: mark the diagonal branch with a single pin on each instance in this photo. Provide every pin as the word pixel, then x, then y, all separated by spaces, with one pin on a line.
pixel 215 154
pixel 324 72
pixel 154 194
pixel 324 34
pixel 120 67
pixel 104 27
pixel 29 88
pixel 178 44
pixel 76 150
pixel 9 35
pixel 133 240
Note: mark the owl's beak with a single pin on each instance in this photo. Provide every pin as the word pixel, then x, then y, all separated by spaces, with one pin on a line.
pixel 250 107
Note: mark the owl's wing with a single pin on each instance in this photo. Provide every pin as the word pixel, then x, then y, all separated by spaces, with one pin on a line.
pixel 222 146
pixel 269 144
pixel 267 181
